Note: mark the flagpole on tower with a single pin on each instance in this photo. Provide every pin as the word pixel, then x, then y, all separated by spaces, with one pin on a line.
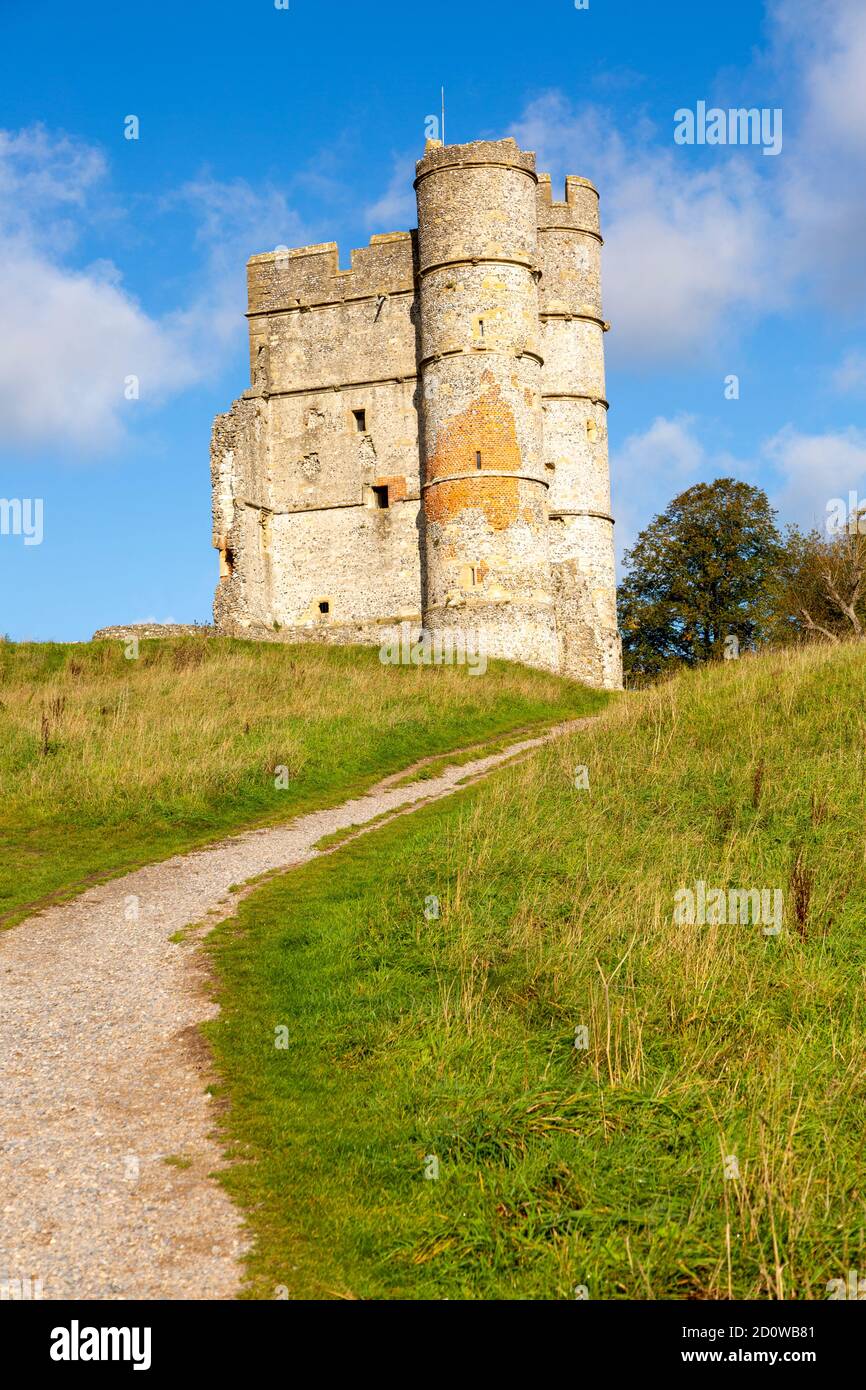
pixel 443 115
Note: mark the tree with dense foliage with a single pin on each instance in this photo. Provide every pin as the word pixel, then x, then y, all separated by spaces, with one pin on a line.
pixel 699 575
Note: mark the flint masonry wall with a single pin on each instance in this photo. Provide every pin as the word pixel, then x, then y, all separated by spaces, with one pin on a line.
pixel 485 553
pixel 424 437
pixel 328 432
pixel 575 431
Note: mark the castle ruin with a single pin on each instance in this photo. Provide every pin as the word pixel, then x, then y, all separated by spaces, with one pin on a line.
pixel 425 440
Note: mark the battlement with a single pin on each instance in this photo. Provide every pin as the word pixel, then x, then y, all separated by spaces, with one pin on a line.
pixel 579 210
pixel 308 275
pixel 479 152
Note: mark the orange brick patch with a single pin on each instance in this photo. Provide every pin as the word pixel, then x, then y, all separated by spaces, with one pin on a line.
pixel 397 487
pixel 487 428
pixel 496 497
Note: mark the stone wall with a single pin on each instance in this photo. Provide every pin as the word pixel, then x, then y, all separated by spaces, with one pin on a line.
pixel 485 506
pixel 575 432
pixel 425 433
pixel 327 434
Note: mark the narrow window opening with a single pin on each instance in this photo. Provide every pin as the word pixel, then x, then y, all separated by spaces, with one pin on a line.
pixel 360 420
pixel 481 327
pixel 591 429
pixel 324 606
pixel 477 460
pixel 380 493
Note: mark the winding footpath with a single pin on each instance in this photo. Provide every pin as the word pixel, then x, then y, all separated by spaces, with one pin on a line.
pixel 107 1144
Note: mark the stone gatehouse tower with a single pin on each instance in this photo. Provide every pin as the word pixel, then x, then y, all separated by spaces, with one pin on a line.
pixel 425 436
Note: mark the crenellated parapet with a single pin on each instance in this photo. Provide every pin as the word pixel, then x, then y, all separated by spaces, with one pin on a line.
pixel 579 212
pixel 311 275
pixel 479 198
pixel 569 249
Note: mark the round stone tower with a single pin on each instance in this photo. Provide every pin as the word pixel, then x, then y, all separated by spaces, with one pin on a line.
pixel 485 557
pixel 575 433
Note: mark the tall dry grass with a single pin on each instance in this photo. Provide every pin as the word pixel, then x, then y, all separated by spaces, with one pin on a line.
pixel 705 1143
pixel 106 761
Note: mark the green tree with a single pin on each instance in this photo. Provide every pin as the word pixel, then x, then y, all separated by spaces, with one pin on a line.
pixel 699 574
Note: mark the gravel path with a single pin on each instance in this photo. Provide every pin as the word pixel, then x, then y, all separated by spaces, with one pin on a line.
pixel 106 1143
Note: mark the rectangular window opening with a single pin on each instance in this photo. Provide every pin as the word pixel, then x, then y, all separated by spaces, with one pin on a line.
pixel 360 420
pixel 477 460
pixel 324 605
pixel 380 493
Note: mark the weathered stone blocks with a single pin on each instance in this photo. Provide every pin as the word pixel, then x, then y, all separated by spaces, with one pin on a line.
pixel 425 436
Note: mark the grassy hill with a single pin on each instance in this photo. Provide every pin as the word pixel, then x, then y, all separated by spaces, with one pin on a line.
pixel 701 1139
pixel 108 763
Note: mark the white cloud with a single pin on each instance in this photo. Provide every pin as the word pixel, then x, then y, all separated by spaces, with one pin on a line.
pixel 235 221
pixel 42 177
pixel 68 337
pixel 828 42
pixel 687 249
pixel 686 256
pixel 851 374
pixel 823 171
pixel 800 472
pixel 694 251
pixel 395 210
pixel 810 469
pixel 68 340
pixel 71 335
pixel 650 468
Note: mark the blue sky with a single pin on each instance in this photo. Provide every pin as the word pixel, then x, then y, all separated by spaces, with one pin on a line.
pixel 262 126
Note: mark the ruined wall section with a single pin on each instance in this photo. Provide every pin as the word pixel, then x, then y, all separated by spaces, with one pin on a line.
pixel 239 443
pixel 485 531
pixel 333 369
pixel 575 432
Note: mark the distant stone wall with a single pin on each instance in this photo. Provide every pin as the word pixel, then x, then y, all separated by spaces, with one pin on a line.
pixel 385 630
pixel 144 631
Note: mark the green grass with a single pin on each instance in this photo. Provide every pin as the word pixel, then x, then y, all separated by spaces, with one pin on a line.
pixel 560 1166
pixel 108 763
